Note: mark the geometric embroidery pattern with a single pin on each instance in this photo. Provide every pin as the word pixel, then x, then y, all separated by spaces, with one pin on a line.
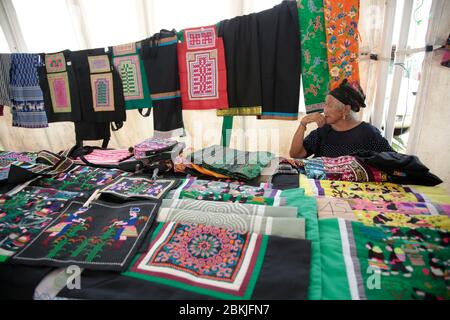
pixel 202 69
pixel 128 48
pixel 203 74
pixel 55 62
pixel 201 38
pixel 59 92
pixel 130 73
pixel 102 92
pixel 198 257
pixel 99 64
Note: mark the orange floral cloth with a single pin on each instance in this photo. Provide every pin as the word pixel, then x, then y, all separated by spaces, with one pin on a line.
pixel 341 23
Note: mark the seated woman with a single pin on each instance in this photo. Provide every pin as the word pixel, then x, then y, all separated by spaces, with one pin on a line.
pixel 339 133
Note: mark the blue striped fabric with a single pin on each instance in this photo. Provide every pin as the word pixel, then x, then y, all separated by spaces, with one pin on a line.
pixel 25 93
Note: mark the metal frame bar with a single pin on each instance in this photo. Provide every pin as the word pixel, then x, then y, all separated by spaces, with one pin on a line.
pixel 436 10
pixel 377 114
pixel 398 71
pixel 11 27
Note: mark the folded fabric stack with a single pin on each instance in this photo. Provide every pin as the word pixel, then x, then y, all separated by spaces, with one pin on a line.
pixel 212 249
pixel 367 166
pixel 240 165
pixel 346 168
pixel 158 238
pixel 227 192
pixel 104 156
pixel 382 240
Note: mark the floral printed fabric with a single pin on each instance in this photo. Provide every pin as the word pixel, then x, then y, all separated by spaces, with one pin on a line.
pixel 341 22
pixel 314 62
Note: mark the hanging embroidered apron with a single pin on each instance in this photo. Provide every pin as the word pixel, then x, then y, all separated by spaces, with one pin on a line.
pixel 203 76
pixel 57 80
pixel 159 54
pixel 134 80
pixel 26 95
pixel 279 47
pixel 240 37
pixel 314 62
pixel 341 23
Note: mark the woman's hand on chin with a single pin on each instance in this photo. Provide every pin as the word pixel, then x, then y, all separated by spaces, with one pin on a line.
pixel 313 117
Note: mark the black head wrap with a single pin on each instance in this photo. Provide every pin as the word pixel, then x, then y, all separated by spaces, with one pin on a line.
pixel 349 95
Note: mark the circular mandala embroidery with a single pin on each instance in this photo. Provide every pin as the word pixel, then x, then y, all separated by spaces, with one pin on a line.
pixel 203 250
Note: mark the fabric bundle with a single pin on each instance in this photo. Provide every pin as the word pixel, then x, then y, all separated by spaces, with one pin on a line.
pixel 346 168
pixel 159 55
pixel 27 101
pixel 152 146
pixel 104 157
pixel 128 63
pixel 400 168
pixel 240 165
pixel 46 164
pixel 203 75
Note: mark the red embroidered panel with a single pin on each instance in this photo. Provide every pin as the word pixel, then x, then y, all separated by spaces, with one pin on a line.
pixel 201 60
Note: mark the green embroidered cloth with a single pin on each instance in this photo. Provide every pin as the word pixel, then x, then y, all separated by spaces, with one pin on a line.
pixel 314 63
pixel 132 73
pixel 233 163
pixel 227 192
pixel 383 263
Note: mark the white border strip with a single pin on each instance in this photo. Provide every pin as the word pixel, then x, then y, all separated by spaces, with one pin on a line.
pixel 351 276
